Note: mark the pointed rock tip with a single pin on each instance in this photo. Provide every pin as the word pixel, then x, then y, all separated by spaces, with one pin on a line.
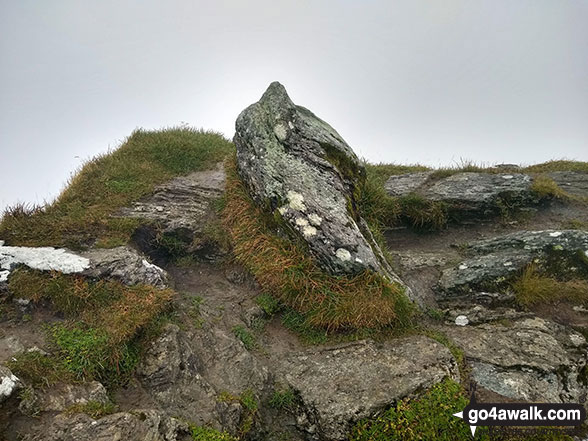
pixel 275 89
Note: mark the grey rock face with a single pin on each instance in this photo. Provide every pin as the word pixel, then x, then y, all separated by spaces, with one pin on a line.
pixel 497 259
pixel 340 385
pixel 181 208
pixel 144 425
pixel 297 164
pixel 530 359
pixel 469 194
pixel 125 265
pixel 187 373
pixel 401 185
pixel 62 396
pixel 574 183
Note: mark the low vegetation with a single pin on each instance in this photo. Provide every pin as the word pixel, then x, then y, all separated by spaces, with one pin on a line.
pixel 200 433
pixel 285 270
pixel 81 214
pixel 104 321
pixel 95 409
pixel 430 417
pixel 534 287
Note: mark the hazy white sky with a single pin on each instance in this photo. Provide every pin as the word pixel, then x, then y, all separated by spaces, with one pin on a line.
pixel 428 81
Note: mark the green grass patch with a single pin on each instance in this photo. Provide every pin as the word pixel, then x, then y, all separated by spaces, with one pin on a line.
pixel 89 353
pixel 95 409
pixel 533 287
pixel 80 216
pixel 268 303
pixel 283 399
pixel 283 268
pixel 246 337
pixel 200 433
pixel 430 417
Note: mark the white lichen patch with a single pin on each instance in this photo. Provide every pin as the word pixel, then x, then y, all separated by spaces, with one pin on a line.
pixel 343 254
pixel 4 275
pixel 507 176
pixel 296 201
pixel 463 266
pixel 555 234
pixel 281 132
pixel 308 231
pixel 43 258
pixel 315 219
pixel 283 209
pixel 301 222
pixel 358 260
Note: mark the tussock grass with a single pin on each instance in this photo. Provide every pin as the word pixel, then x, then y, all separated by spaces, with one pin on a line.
pixel 545 187
pixel 283 269
pixel 80 216
pixel 533 288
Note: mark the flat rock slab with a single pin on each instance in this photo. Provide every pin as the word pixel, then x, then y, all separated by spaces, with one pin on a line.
pixel 467 193
pixel 141 425
pixel 528 359
pixel 125 265
pixel 299 167
pixel 182 203
pixel 122 263
pixel 494 261
pixel 338 386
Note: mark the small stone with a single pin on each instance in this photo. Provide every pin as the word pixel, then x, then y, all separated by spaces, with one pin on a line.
pixel 461 320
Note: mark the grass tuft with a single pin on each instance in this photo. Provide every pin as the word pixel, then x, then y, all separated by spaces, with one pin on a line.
pixel 545 187
pixel 246 337
pixel 200 433
pixel 533 288
pixel 94 409
pixel 80 216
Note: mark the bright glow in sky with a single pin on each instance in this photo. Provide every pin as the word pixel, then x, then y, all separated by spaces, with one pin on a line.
pixel 401 80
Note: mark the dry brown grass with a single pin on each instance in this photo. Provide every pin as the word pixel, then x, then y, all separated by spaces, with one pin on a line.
pixel 533 288
pixel 283 269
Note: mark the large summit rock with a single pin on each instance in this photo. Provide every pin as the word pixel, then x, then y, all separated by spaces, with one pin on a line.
pixel 298 165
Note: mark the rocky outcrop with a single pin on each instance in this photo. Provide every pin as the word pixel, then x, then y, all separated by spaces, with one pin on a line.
pixel 123 264
pixel 40 258
pixel 573 183
pixel 9 383
pixel 468 194
pixel 528 359
pixel 299 167
pixel 61 397
pixel 342 384
pixel 141 425
pixel 496 260
pixel 187 374
pixel 180 210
